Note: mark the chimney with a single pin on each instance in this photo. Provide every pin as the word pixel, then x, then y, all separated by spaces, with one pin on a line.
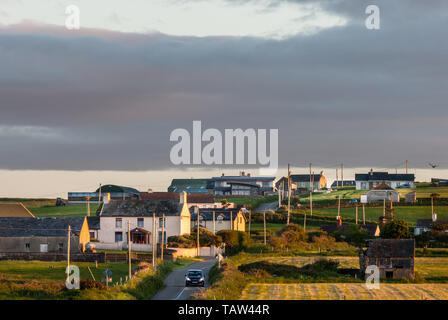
pixel 149 190
pixel 223 174
pixel 183 197
pixel 434 217
pixel 248 174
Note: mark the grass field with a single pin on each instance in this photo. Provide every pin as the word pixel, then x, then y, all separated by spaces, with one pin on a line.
pixel 344 291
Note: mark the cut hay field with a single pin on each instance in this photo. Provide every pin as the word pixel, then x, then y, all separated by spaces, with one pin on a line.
pixel 344 291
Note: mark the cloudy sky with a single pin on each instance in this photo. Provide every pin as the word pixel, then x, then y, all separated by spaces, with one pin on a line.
pixel 107 96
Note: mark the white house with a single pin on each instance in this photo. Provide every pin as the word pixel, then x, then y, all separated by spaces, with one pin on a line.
pixel 115 215
pixel 216 219
pixel 367 181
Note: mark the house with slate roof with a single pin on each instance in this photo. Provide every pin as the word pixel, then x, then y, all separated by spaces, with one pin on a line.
pixel 115 215
pixel 242 185
pixel 43 234
pixel 302 182
pixel 394 257
pixel 216 219
pixel 367 181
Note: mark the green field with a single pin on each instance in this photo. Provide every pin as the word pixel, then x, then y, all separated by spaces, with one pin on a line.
pixel 53 211
pixel 344 291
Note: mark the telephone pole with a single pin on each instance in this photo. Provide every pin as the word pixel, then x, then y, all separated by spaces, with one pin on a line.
pixel 129 249
pixel 153 241
pixel 363 214
pixel 311 197
pixel 356 206
pixel 197 231
pixel 68 251
pixel 339 206
pixel 214 223
pixel 289 194
pixel 342 174
pixel 264 226
pixel 250 218
pixel 337 178
pixel 163 235
pixel 311 186
pixel 407 166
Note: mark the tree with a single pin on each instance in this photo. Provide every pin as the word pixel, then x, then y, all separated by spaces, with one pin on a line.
pixel 397 229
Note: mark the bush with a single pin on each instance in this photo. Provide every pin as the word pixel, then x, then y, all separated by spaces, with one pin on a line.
pixel 235 241
pixel 397 229
pixel 206 238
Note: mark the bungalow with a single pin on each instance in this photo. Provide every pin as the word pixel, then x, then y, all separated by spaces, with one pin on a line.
pixel 367 181
pixel 115 215
pixel 219 219
pixel 393 257
pixel 43 234
pixel 302 181
pixel 242 185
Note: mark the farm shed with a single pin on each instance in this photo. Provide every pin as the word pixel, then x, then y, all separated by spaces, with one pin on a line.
pixel 43 234
pixel 393 257
pixel 383 192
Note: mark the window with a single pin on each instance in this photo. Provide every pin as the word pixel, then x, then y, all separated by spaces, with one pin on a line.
pixel 44 247
pixel 220 219
pixel 161 223
pixel 61 247
pixel 27 247
pixel 118 236
pixel 160 237
pixel 140 222
pixel 118 222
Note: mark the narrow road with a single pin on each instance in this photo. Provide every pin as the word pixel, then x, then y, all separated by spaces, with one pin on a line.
pixel 267 206
pixel 175 282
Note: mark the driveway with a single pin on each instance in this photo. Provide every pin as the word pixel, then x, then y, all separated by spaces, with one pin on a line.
pixel 175 282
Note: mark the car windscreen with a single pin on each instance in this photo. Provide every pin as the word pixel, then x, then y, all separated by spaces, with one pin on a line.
pixel 195 274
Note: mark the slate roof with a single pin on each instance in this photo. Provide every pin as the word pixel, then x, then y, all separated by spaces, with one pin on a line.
pixel 333 227
pixel 94 223
pixel 346 183
pixel 305 177
pixel 383 176
pixel 39 227
pixel 14 210
pixel 390 248
pixel 191 198
pixel 141 208
pixel 207 213
pixel 243 178
pixel 428 223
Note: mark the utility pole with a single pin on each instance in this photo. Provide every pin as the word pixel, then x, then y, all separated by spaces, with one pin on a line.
pixel 129 249
pixel 304 221
pixel 250 218
pixel 356 206
pixel 214 223
pixel 197 231
pixel 342 174
pixel 407 166
pixel 68 251
pixel 363 214
pixel 88 206
pixel 153 241
pixel 289 194
pixel 99 195
pixel 311 186
pixel 311 197
pixel 264 226
pixel 337 178
pixel 384 207
pixel 339 206
pixel 432 206
pixel 163 236
pixel 279 197
pixel 231 220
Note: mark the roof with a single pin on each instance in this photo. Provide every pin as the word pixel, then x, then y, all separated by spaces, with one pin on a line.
pixel 14 210
pixel 346 183
pixel 243 178
pixel 191 198
pixel 207 213
pixel 94 223
pixel 428 223
pixel 39 227
pixel 141 208
pixel 110 188
pixel 305 177
pixel 382 186
pixel 385 176
pixel 391 248
pixel 188 185
pixel 333 227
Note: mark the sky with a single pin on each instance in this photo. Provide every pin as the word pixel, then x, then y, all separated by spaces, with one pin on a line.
pixel 80 107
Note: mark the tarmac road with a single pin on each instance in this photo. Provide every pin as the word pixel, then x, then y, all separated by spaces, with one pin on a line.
pixel 175 282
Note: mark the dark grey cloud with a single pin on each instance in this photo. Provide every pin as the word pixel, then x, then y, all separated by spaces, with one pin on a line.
pixel 109 100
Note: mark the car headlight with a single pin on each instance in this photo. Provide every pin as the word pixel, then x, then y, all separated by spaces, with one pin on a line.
pixel 202 279
pixel 188 279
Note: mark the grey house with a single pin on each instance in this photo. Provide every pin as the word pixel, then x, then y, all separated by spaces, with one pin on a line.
pixel 43 234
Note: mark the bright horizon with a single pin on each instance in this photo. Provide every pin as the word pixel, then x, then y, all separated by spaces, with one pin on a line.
pixel 53 184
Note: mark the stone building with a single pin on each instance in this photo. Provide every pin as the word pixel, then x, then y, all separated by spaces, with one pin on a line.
pixel 393 257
